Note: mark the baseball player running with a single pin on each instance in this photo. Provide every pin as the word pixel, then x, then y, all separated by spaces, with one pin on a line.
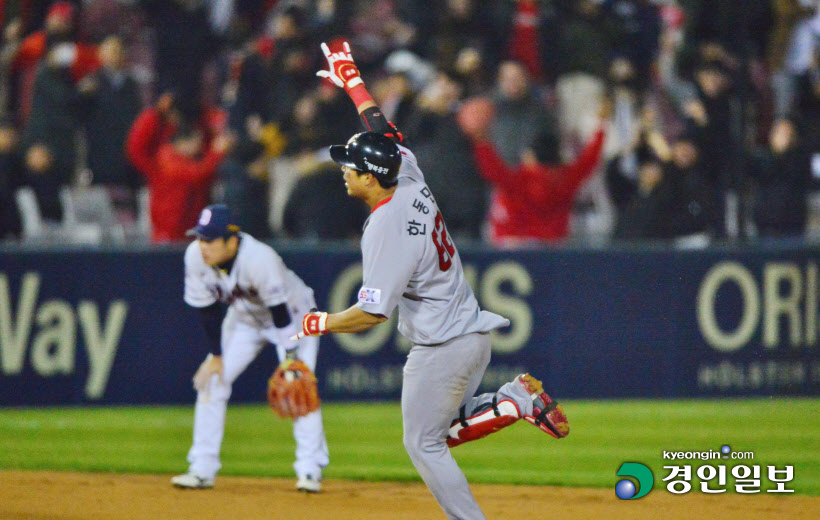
pixel 247 298
pixel 410 262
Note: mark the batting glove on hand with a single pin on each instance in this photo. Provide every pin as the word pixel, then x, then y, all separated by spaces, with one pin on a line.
pixel 342 71
pixel 313 324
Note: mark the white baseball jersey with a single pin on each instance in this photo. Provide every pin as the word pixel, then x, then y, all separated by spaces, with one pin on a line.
pixel 258 279
pixel 410 261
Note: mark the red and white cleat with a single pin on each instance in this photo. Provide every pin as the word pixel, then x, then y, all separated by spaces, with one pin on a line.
pixel 547 414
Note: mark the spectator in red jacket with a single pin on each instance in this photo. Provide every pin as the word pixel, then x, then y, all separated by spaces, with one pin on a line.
pixel 179 162
pixel 533 200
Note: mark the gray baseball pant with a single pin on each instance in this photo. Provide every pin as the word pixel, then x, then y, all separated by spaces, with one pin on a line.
pixel 438 380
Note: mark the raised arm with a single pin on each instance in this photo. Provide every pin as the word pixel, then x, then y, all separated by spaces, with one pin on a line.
pixel 143 141
pixel 343 73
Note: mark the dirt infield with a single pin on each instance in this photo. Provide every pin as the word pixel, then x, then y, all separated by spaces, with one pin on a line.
pixel 32 495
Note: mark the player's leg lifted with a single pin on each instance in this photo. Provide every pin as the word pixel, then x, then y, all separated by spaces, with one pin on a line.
pixel 523 398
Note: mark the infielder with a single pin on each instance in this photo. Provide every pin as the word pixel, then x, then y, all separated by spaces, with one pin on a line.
pixel 247 298
pixel 411 262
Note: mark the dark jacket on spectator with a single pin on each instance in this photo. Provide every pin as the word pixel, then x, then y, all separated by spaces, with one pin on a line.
pixel 112 110
pixel 53 123
pixel 680 205
pixel 516 124
pixel 783 182
pixel 579 42
pixel 807 104
pixel 446 158
pixel 11 175
pixel 251 79
pixel 29 57
pixel 55 118
pixel 319 208
pixel 184 45
pixel 638 34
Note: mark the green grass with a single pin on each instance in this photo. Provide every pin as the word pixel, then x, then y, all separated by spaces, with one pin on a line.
pixel 365 441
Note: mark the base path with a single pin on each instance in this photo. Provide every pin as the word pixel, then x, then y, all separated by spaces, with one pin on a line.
pixel 35 495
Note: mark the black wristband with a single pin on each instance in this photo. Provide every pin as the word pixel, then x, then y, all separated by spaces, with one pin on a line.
pixel 212 317
pixel 374 121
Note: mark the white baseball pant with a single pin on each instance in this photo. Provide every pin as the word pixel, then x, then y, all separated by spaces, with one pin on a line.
pixel 241 343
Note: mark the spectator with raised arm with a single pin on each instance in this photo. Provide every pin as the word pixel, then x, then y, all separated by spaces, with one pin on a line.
pixel 533 199
pixel 179 162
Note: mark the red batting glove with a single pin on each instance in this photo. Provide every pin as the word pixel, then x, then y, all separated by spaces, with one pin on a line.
pixel 313 324
pixel 342 71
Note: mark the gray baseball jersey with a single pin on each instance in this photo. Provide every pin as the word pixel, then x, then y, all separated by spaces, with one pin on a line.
pixel 411 262
pixel 259 279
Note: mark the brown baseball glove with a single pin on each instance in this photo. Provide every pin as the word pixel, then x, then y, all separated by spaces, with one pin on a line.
pixel 292 389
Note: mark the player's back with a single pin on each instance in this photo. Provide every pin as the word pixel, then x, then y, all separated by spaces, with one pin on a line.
pixel 411 260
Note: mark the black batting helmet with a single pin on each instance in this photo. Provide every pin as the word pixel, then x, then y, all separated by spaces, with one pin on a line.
pixel 370 152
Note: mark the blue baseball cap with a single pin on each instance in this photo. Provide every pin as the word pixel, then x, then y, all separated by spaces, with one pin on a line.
pixel 215 221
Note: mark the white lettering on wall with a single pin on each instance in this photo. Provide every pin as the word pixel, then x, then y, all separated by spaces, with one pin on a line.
pixel 54 341
pixel 782 304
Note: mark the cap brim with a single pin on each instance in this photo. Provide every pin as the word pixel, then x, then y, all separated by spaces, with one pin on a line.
pixel 338 152
pixel 198 233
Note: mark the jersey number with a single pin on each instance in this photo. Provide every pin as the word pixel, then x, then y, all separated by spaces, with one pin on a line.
pixel 443 244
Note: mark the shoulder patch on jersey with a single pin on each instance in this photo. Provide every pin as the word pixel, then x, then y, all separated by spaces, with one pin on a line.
pixel 370 295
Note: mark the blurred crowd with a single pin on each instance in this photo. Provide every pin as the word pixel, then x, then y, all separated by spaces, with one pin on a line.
pixel 534 121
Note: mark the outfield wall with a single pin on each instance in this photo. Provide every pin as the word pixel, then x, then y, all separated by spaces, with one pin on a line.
pixel 106 327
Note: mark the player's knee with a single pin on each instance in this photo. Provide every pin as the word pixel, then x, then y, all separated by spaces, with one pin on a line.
pixel 412 443
pixel 216 391
pixel 418 444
